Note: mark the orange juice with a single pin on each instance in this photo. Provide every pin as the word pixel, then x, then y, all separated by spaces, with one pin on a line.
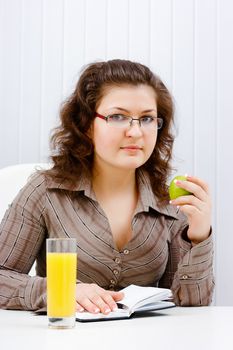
pixel 61 282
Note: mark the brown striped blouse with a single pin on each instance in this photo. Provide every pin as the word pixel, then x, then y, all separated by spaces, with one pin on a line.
pixel 156 255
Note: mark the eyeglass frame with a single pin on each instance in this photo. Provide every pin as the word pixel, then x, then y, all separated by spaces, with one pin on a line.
pixel 131 119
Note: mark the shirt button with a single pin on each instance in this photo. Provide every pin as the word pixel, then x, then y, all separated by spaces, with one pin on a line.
pixel 112 282
pixel 115 272
pixel 111 286
pixel 117 260
pixel 126 251
pixel 185 277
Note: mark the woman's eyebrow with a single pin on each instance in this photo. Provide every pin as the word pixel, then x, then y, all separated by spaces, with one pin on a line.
pixel 120 109
pixel 149 110
pixel 126 110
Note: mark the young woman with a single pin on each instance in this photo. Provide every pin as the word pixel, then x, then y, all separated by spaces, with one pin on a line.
pixel 108 189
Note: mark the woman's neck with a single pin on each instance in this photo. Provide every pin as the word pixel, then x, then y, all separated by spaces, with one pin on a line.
pixel 109 182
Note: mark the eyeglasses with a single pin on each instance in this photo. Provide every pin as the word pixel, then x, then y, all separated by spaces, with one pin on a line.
pixel 146 122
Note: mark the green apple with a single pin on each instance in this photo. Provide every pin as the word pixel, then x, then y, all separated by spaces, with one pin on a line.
pixel 175 191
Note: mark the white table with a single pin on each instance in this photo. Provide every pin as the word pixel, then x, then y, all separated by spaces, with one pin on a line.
pixel 203 328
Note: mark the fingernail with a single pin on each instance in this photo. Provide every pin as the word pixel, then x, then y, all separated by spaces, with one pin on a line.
pixel 178 182
pixel 115 308
pixel 96 310
pixel 170 201
pixel 107 310
pixel 81 309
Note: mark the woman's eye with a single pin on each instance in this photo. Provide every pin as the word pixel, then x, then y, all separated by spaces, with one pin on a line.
pixel 117 117
pixel 147 119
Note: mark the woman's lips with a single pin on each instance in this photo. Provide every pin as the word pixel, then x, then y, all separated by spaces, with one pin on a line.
pixel 132 148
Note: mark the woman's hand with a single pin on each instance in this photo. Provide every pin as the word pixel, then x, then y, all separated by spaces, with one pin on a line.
pixel 197 207
pixel 92 298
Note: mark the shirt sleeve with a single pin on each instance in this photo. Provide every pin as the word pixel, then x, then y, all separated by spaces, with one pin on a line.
pixel 189 271
pixel 22 232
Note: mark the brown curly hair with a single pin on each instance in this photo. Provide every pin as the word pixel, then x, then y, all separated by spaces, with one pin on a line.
pixel 73 149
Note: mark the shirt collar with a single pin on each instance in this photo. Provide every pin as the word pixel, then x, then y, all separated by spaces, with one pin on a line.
pixel 147 198
pixel 83 185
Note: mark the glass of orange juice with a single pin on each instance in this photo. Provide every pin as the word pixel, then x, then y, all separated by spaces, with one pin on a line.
pixel 61 266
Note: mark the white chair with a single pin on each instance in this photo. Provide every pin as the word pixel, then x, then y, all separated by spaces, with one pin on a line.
pixel 12 179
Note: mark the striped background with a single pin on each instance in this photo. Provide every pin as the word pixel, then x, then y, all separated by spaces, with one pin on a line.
pixel 189 43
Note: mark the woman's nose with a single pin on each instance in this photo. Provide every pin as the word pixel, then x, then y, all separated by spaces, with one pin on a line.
pixel 134 129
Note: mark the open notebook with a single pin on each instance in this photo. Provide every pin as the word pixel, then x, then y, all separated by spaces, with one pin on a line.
pixel 136 299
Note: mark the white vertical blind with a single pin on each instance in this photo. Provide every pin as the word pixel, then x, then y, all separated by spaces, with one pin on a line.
pixel 161 39
pixel 10 80
pixel 95 30
pixel 183 81
pixel 29 117
pixel 189 43
pixel 117 18
pixel 74 42
pixel 224 159
pixel 139 30
pixel 52 68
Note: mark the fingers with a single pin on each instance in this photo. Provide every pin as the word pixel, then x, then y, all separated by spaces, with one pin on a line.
pixel 79 308
pixel 197 207
pixel 189 200
pixel 199 182
pixel 110 298
pixel 196 186
pixel 95 299
pixel 117 296
pixel 190 210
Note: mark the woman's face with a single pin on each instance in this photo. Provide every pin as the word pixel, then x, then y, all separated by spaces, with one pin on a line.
pixel 126 147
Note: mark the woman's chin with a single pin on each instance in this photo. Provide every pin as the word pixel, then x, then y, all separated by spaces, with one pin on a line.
pixel 131 165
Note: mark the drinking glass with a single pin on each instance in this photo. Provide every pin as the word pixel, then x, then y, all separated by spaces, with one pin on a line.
pixel 61 265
